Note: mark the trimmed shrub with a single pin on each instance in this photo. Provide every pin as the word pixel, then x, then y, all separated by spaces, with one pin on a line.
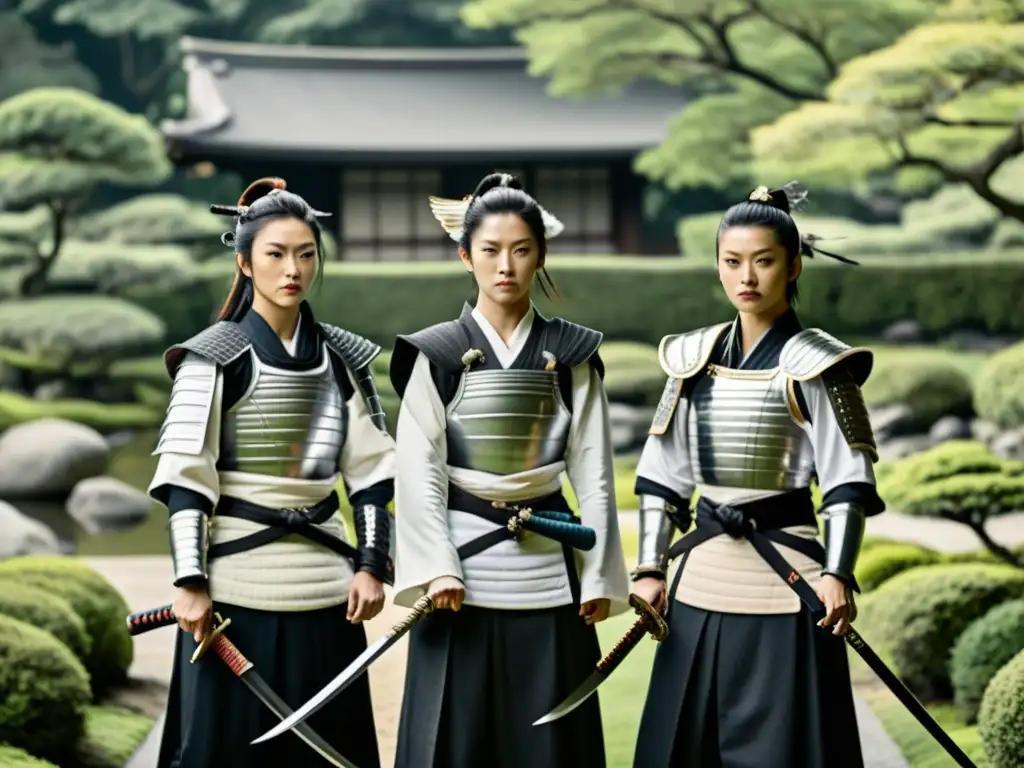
pixel 44 690
pixel 932 388
pixel 984 647
pixel 112 736
pixel 882 562
pixel 94 599
pixel 13 757
pixel 632 373
pixel 45 610
pixel 999 391
pixel 1001 717
pixel 917 616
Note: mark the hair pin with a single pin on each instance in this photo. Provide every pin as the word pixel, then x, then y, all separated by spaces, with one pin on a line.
pixel 760 194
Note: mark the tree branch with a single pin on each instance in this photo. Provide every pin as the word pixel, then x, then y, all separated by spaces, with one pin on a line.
pixel 936 120
pixel 33 283
pixel 978 178
pixel 815 44
pixel 992 546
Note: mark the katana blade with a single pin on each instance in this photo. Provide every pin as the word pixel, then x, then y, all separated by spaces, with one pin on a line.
pixel 351 673
pixel 649 622
pixel 227 652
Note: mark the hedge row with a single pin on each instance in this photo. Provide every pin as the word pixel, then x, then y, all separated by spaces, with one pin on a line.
pixel 641 299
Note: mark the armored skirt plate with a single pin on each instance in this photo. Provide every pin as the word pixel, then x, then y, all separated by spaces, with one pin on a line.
pixel 743 430
pixel 507 421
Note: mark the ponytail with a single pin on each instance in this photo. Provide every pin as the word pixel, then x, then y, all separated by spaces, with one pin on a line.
pixel 239 298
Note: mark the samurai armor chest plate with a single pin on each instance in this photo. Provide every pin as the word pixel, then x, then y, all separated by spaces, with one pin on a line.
pixel 743 432
pixel 507 421
pixel 289 424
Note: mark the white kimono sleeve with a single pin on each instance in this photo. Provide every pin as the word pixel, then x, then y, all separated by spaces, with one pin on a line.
pixel 665 459
pixel 835 461
pixel 368 455
pixel 424 550
pixel 592 474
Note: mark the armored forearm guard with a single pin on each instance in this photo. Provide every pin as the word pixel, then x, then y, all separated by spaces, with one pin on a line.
pixel 657 525
pixel 373 529
pixel 844 532
pixel 188 534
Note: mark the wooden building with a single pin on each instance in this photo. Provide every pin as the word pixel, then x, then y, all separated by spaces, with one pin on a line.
pixel 369 134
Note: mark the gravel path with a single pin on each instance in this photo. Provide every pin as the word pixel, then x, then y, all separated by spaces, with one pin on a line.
pixel 144 583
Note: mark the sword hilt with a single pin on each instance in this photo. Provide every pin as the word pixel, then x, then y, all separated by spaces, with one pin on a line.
pixel 625 644
pixel 421 608
pixel 223 648
pixel 153 618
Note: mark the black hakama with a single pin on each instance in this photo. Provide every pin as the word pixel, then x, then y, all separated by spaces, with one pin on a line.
pixel 478 678
pixel 215 715
pixel 748 691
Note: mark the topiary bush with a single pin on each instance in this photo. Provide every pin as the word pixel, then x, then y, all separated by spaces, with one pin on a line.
pixel 14 757
pixel 880 563
pixel 45 610
pixel 44 691
pixel 915 617
pixel 632 373
pixel 1001 717
pixel 985 646
pixel 999 390
pixel 959 480
pixel 931 386
pixel 94 599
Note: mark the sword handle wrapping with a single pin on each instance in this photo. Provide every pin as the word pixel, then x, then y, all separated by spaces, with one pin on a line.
pixel 154 618
pixel 625 644
pixel 230 655
pixel 575 535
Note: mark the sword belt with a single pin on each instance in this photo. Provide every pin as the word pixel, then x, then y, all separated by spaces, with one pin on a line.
pixel 280 523
pixel 759 522
pixel 463 501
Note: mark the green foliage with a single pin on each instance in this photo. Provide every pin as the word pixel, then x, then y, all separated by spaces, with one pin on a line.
pixel 26 62
pixel 103 417
pixel 879 564
pixel 715 49
pixel 66 329
pixel 1008 233
pixel 14 757
pixel 999 393
pixel 985 646
pixel 43 691
pixel 942 100
pixel 50 612
pixel 94 599
pixel 57 143
pixel 1001 718
pixel 154 218
pixel 632 372
pixel 144 19
pixel 931 387
pixel 112 736
pixel 381 300
pixel 915 617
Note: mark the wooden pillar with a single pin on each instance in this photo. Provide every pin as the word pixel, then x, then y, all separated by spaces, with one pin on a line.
pixel 627 210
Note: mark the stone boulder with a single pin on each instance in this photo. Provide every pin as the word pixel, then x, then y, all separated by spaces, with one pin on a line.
pixel 102 504
pixel 21 535
pixel 49 457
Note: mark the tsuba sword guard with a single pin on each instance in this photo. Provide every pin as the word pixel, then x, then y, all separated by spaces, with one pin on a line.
pixel 656 625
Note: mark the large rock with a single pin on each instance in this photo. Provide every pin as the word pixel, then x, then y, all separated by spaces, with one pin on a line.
pixel 101 504
pixel 1010 444
pixel 889 421
pixel 629 425
pixel 949 428
pixel 907 331
pixel 48 457
pixel 21 535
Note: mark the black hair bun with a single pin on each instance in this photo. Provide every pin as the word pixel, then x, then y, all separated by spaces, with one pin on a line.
pixel 495 180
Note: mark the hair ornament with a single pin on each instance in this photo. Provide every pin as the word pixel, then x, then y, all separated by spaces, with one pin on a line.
pixel 761 194
pixel 451 214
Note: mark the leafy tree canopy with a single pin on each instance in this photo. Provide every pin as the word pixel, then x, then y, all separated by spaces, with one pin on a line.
pixel 946 99
pixel 26 63
pixel 745 61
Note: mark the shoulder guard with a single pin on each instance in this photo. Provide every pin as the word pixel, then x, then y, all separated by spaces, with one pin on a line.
pixel 357 352
pixel 443 344
pixel 812 352
pixel 189 407
pixel 573 344
pixel 684 355
pixel 843 370
pixel 220 344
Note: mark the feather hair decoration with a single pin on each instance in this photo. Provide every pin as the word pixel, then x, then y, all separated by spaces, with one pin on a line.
pixel 451 214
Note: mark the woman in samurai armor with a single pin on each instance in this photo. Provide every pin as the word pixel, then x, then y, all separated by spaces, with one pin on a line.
pixel 495 407
pixel 269 410
pixel 754 671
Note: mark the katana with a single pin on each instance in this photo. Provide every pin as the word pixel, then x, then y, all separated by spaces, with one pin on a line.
pixel 420 609
pixel 649 622
pixel 228 652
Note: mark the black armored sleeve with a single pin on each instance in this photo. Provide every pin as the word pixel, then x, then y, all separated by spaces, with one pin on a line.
pixel 443 345
pixel 573 344
pixel 357 352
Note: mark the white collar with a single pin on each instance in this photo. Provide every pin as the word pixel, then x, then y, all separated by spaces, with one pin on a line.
pixel 506 353
pixel 292 344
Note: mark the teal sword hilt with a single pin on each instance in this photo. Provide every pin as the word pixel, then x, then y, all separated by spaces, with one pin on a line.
pixel 575 535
